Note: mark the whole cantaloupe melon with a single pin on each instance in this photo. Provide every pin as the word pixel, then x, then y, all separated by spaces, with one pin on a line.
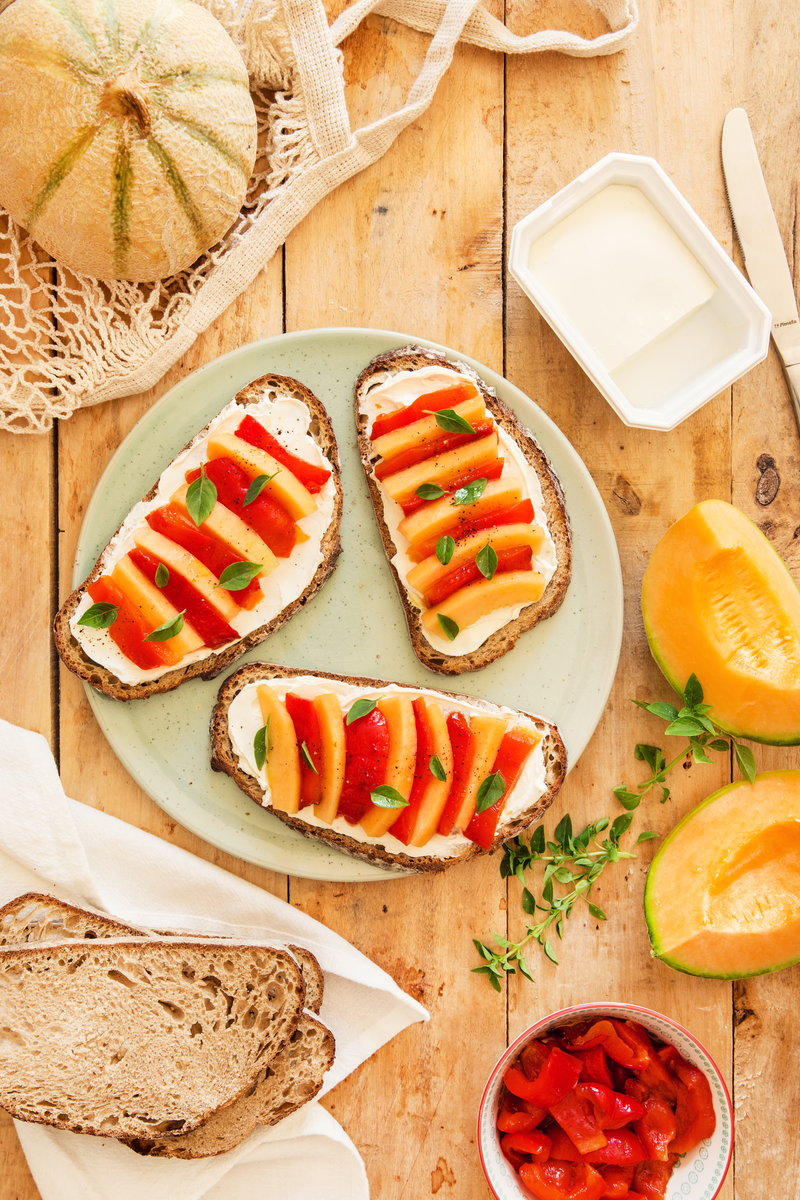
pixel 127 132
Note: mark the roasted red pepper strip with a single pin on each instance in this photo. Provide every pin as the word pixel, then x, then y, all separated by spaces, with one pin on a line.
pixel 512 755
pixel 437 445
pixel 312 477
pixel 614 1110
pixel 510 1120
pixel 620 1042
pixel 694 1113
pixel 651 1179
pixel 306 725
pixel 533 1057
pixel 366 755
pixel 212 553
pixel 562 1148
pixel 517 558
pixel 657 1128
pixel 447 397
pixel 463 744
pixel 595 1065
pixel 555 1180
pixel 536 1144
pixel 577 1116
pixel 622 1146
pixel 515 514
pixel 202 616
pixel 404 824
pixel 617 1179
pixel 266 516
pixel 557 1077
pixel 130 629
pixel 492 470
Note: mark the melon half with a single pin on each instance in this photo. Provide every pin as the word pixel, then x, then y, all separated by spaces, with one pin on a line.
pixel 718 602
pixel 723 893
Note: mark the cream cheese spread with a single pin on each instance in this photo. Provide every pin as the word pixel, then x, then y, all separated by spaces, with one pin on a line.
pixel 288 420
pixel 245 719
pixel 619 273
pixel 391 392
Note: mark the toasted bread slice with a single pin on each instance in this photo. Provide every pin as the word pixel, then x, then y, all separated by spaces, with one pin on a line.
pixel 224 757
pixel 410 358
pixel 75 656
pixel 133 1038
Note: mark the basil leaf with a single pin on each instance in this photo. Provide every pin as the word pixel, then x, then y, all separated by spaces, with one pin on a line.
pixel 256 488
pixel 450 421
pixel 490 791
pixel 486 561
pixel 445 548
pixel 449 627
pixel 361 708
pixel 162 575
pixel 261 745
pixel 472 492
pixel 436 768
pixel 237 575
pixel 99 616
pixel 169 629
pixel 201 496
pixel 387 797
pixel 305 754
pixel 429 491
pixel 746 761
pixel 693 692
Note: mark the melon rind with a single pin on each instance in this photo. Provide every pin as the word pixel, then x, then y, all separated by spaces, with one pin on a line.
pixel 719 602
pixel 678 895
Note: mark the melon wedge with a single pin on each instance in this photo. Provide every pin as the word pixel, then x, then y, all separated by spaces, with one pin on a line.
pixel 443 515
pixel 719 602
pixel 399 713
pixel 175 558
pixel 723 893
pixel 154 606
pixel 232 530
pixel 441 468
pixel 332 740
pixel 501 537
pixel 468 605
pixel 286 488
pixel 283 754
pixel 420 432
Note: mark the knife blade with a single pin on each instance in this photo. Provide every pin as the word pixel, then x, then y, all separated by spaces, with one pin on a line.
pixel 760 239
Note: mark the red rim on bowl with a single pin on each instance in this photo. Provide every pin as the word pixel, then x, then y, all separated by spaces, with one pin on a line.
pixel 703 1060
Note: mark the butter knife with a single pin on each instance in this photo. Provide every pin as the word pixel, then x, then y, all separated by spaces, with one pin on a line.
pixel 760 239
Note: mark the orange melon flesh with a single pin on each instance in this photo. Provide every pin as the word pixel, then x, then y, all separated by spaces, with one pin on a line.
pixel 723 894
pixel 719 602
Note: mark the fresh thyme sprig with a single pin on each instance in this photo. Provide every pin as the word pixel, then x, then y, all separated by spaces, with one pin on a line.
pixel 568 860
pixel 690 721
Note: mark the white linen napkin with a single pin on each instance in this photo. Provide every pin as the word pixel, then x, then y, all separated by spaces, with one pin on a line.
pixel 53 844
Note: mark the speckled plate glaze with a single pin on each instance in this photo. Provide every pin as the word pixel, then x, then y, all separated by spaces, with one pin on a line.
pixel 563 669
pixel 700 1173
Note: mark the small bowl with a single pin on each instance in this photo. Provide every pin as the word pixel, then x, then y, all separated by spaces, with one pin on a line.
pixel 701 1172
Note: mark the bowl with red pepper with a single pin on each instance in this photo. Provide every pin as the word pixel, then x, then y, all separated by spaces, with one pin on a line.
pixel 605 1100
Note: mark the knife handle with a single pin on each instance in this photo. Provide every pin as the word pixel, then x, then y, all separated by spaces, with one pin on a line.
pixel 793 380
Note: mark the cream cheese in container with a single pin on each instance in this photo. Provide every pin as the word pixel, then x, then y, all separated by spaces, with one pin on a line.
pixel 639 291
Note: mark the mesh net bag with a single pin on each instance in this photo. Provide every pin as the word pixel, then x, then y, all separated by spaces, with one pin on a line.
pixel 67 340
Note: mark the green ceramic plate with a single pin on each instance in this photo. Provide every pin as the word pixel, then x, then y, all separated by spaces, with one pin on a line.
pixel 563 669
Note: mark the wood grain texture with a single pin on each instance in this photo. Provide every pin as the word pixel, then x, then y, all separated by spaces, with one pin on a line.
pixel 416 243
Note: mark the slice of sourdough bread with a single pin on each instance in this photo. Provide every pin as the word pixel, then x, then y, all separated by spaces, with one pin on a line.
pixel 224 757
pixel 75 657
pixel 37 917
pixel 410 358
pixel 294 1077
pixel 133 1038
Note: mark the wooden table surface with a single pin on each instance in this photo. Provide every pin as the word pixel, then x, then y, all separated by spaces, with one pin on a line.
pixel 418 243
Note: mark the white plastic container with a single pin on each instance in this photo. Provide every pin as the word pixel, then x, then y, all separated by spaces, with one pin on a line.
pixel 639 291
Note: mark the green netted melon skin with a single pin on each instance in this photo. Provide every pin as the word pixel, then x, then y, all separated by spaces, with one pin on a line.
pixel 722 898
pixel 718 602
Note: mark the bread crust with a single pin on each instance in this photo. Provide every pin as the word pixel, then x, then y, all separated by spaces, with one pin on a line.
pixel 406 358
pixel 74 656
pixel 223 758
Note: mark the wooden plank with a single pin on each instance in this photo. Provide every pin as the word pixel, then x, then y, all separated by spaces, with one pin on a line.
pixel 414 244
pixel 562 117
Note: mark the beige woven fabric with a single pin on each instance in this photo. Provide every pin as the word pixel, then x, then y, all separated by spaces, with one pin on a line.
pixel 67 341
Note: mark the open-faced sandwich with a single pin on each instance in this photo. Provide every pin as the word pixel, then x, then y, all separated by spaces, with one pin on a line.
pixel 470 512
pixel 410 778
pixel 238 533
